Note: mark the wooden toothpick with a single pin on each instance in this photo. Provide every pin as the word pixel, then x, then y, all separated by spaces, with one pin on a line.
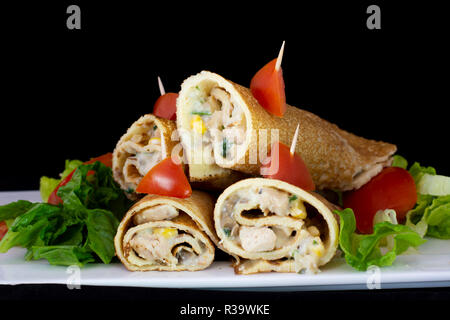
pixel 280 57
pixel 161 87
pixel 294 140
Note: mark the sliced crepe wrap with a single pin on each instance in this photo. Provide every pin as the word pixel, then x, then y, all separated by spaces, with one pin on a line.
pixel 236 133
pixel 167 234
pixel 274 226
pixel 148 141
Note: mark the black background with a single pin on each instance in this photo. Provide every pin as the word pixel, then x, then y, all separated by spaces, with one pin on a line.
pixel 71 94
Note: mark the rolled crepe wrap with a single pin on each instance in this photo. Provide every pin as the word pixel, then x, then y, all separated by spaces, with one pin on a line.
pixel 167 234
pixel 275 226
pixel 233 126
pixel 148 141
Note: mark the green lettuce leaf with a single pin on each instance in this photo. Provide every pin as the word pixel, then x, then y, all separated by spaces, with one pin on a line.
pixel 102 226
pixel 399 161
pixel 417 171
pixel 431 215
pixel 362 251
pixel 61 255
pixel 98 191
pixel 26 237
pixel 415 217
pixel 47 185
pixel 71 235
pixel 438 218
pixel 14 209
pixel 70 166
pixel 79 231
pixel 31 227
pixel 435 185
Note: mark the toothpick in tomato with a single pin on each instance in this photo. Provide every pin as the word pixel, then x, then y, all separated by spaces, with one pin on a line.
pixel 106 159
pixel 285 164
pixel 166 105
pixel 393 188
pixel 167 178
pixel 267 86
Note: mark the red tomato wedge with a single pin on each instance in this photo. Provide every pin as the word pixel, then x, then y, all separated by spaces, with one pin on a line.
pixel 3 229
pixel 53 198
pixel 106 159
pixel 267 87
pixel 166 106
pixel 283 165
pixel 392 188
pixel 166 179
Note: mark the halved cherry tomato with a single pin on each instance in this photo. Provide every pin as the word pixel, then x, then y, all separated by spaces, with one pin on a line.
pixel 392 188
pixel 283 165
pixel 167 179
pixel 267 87
pixel 106 159
pixel 166 106
pixel 3 229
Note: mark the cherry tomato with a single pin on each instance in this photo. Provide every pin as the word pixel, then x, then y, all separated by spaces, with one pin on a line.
pixel 267 87
pixel 284 165
pixel 166 106
pixel 392 188
pixel 3 229
pixel 167 179
pixel 106 159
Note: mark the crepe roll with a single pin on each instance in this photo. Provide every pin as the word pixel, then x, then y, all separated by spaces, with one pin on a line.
pixel 274 226
pixel 223 127
pixel 167 234
pixel 147 142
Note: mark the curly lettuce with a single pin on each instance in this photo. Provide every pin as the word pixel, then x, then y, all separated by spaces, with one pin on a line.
pixel 431 215
pixel 380 248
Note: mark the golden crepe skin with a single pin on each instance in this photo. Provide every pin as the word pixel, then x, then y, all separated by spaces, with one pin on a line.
pixel 195 219
pixel 336 159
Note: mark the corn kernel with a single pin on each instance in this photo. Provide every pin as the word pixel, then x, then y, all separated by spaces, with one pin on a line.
pixel 198 125
pixel 155 140
pixel 299 210
pixel 317 250
pixel 166 232
pixel 317 247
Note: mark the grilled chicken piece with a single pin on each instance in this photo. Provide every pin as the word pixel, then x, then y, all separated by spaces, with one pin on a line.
pixel 151 247
pixel 272 200
pixel 257 239
pixel 156 213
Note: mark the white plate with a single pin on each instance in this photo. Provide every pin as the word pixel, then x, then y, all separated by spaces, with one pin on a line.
pixel 430 267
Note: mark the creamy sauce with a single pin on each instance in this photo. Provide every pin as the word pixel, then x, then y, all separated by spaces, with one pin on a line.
pixel 218 121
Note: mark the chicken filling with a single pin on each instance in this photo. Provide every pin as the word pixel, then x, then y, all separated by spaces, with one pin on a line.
pixel 148 244
pixel 265 219
pixel 144 152
pixel 217 122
